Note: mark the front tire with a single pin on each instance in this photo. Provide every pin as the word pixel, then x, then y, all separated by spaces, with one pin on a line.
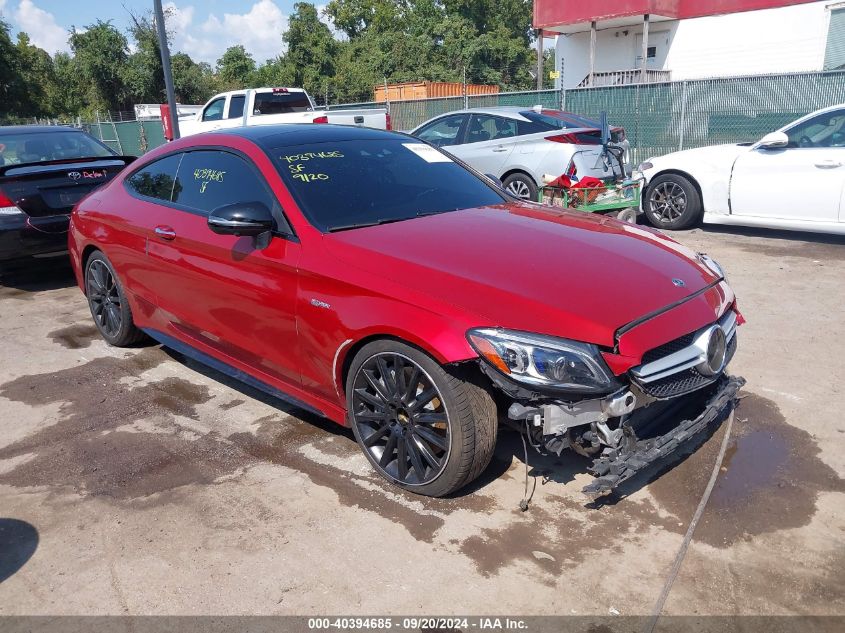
pixel 672 203
pixel 425 429
pixel 521 186
pixel 107 301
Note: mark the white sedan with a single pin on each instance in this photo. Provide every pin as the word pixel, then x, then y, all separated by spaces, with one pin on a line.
pixel 520 146
pixel 793 178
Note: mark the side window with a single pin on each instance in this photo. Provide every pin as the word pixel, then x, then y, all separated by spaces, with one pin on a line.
pixel 824 130
pixel 212 178
pixel 484 127
pixel 530 127
pixel 214 110
pixel 157 180
pixel 443 132
pixel 236 107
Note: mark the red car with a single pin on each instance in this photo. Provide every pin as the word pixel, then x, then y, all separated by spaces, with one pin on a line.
pixel 369 278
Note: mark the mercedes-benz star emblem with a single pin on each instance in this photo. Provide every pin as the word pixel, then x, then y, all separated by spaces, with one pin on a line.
pixel 679 282
pixel 716 350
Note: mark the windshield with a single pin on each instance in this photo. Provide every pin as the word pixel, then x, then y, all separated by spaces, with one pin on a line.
pixel 349 184
pixel 42 146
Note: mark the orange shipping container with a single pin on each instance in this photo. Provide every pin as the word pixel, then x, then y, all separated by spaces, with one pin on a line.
pixel 429 90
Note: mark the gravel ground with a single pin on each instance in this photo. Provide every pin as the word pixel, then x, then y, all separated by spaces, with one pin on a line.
pixel 138 482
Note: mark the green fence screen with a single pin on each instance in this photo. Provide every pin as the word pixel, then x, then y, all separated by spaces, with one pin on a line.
pixel 130 138
pixel 658 117
pixel 665 117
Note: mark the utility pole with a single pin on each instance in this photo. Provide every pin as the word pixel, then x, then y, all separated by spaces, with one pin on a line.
pixel 466 97
pixel 165 65
pixel 644 60
pixel 539 59
pixel 386 96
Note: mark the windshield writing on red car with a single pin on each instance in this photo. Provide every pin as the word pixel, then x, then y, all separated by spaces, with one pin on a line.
pixel 356 183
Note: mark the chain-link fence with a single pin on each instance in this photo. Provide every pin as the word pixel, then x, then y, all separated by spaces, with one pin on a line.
pixel 665 117
pixel 129 138
pixel 658 117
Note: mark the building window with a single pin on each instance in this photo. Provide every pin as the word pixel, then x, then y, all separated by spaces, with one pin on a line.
pixel 834 55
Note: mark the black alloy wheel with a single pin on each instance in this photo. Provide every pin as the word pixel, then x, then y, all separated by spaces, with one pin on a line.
pixel 401 419
pixel 109 307
pixel 104 298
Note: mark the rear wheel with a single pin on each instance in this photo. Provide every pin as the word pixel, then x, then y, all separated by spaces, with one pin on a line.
pixel 672 202
pixel 424 429
pixel 108 304
pixel 521 185
pixel 627 215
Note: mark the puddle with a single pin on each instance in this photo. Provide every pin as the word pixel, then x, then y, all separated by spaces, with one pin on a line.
pixel 278 442
pixel 822 252
pixel 84 451
pixel 770 479
pixel 28 280
pixel 76 336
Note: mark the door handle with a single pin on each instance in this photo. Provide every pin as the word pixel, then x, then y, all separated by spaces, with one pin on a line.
pixel 828 164
pixel 165 232
pixel 500 148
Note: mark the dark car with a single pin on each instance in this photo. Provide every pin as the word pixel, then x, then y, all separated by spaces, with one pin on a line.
pixel 44 172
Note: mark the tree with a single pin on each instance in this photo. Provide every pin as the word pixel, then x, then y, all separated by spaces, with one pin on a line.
pixel 357 17
pixel 68 92
pixel 12 86
pixel 143 75
pixel 311 49
pixel 36 71
pixel 235 67
pixel 101 52
pixel 192 82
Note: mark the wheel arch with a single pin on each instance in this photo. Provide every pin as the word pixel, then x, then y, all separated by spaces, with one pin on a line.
pixel 519 170
pixel 676 172
pixel 89 250
pixel 350 348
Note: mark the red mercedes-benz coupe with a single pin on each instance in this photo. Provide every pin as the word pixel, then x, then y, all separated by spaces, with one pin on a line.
pixel 372 279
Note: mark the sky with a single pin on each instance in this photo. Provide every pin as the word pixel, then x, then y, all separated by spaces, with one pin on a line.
pixel 201 28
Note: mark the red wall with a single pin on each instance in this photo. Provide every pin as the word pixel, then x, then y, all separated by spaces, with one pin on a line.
pixel 549 13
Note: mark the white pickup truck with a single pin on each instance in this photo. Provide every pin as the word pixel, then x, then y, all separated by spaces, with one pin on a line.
pixel 269 106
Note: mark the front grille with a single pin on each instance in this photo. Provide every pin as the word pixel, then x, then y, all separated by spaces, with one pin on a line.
pixel 684 381
pixel 668 348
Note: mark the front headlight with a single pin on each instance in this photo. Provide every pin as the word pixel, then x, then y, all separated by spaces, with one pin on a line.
pixel 543 361
pixel 712 264
pixel 644 166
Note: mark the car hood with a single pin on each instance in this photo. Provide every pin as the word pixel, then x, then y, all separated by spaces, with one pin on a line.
pixel 532 268
pixel 720 155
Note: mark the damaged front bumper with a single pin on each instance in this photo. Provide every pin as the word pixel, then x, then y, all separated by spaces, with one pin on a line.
pixel 633 454
pixel 626 431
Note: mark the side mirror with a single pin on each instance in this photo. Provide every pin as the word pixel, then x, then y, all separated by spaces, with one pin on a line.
pixel 241 218
pixel 773 140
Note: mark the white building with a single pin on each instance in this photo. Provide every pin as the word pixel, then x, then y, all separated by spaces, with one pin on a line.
pixel 686 41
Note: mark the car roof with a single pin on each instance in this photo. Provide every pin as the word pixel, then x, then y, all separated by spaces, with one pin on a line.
pixel 506 110
pixel 513 112
pixel 285 134
pixel 32 129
